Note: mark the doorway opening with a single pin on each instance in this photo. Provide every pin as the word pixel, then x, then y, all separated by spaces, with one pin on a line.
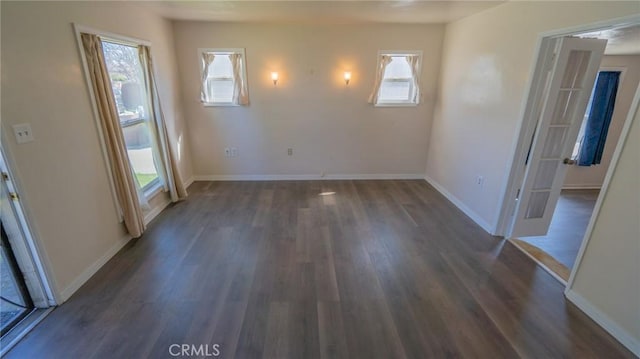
pixel 568 185
pixel 25 292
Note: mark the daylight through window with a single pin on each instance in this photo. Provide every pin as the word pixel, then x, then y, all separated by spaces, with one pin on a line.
pixel 398 79
pixel 127 81
pixel 223 77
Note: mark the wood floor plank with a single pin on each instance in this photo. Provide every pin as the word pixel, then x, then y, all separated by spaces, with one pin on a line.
pixel 331 330
pixel 319 269
pixel 276 344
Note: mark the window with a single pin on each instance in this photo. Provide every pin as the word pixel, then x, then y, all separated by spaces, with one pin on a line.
pixel 397 79
pixel 223 77
pixel 593 131
pixel 127 82
pixel 576 146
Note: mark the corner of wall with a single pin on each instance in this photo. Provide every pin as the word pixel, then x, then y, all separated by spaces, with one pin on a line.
pixel 461 206
pixel 621 335
pixel 64 294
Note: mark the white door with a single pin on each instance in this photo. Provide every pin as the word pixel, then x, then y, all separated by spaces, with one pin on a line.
pixel 575 66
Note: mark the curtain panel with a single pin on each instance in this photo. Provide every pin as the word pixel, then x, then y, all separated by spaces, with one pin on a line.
pixel 412 60
pixel 382 65
pixel 172 178
pixel 240 93
pixel 124 182
pixel 207 59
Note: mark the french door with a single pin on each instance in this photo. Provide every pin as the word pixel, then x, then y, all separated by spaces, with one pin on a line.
pixel 15 302
pixel 568 88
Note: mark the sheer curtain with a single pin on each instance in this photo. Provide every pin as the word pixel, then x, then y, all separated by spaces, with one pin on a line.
pixel 207 59
pixel 169 166
pixel 412 60
pixel 126 186
pixel 382 65
pixel 240 95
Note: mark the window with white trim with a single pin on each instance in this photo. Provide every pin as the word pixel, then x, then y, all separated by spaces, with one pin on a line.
pixel 223 77
pixel 126 73
pixel 398 74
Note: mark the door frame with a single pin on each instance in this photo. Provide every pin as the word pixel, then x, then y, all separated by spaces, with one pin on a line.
pixel 529 119
pixel 27 247
pixel 624 134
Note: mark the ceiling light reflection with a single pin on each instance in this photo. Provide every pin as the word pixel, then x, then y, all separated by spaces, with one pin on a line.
pixel 326 193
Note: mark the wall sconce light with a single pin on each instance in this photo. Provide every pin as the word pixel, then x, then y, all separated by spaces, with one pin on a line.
pixel 274 77
pixel 347 77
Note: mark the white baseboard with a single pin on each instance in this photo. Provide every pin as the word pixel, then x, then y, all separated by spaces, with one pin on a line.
pixel 621 335
pixel 403 176
pixel 188 182
pixel 594 186
pixel 91 270
pixel 458 203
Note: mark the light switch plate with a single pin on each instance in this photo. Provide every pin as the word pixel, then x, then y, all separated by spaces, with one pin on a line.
pixel 23 132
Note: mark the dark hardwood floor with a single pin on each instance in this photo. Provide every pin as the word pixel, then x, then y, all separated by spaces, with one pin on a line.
pixel 568 225
pixel 380 269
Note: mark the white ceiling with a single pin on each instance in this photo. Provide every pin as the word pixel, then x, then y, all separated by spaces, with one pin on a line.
pixel 407 11
pixel 622 41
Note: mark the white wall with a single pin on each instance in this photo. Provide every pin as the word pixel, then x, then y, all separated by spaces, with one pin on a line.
pixel 330 126
pixel 488 58
pixel 593 176
pixel 607 280
pixel 62 173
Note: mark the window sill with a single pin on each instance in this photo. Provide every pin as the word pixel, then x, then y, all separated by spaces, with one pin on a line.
pixel 211 104
pixel 396 104
pixel 153 190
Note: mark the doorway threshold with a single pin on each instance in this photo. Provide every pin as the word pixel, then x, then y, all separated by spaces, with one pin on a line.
pixel 558 270
pixel 20 330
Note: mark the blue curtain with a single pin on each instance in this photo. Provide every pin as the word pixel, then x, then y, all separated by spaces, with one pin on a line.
pixel 597 126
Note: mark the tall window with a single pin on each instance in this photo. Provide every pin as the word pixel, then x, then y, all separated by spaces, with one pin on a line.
pixel 397 79
pixel 127 81
pixel 137 149
pixel 223 77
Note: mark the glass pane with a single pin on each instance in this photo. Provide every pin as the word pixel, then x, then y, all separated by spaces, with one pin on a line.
pixel 537 204
pixel 545 174
pixel 220 90
pixel 576 68
pixel 397 83
pixel 395 91
pixel 127 82
pixel 13 304
pixel 221 67
pixel 554 142
pixel 398 68
pixel 565 107
pixel 140 150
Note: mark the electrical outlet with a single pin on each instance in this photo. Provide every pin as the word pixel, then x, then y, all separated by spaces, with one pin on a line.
pixel 23 132
pixel 234 152
pixel 290 151
pixel 480 181
pixel 227 152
